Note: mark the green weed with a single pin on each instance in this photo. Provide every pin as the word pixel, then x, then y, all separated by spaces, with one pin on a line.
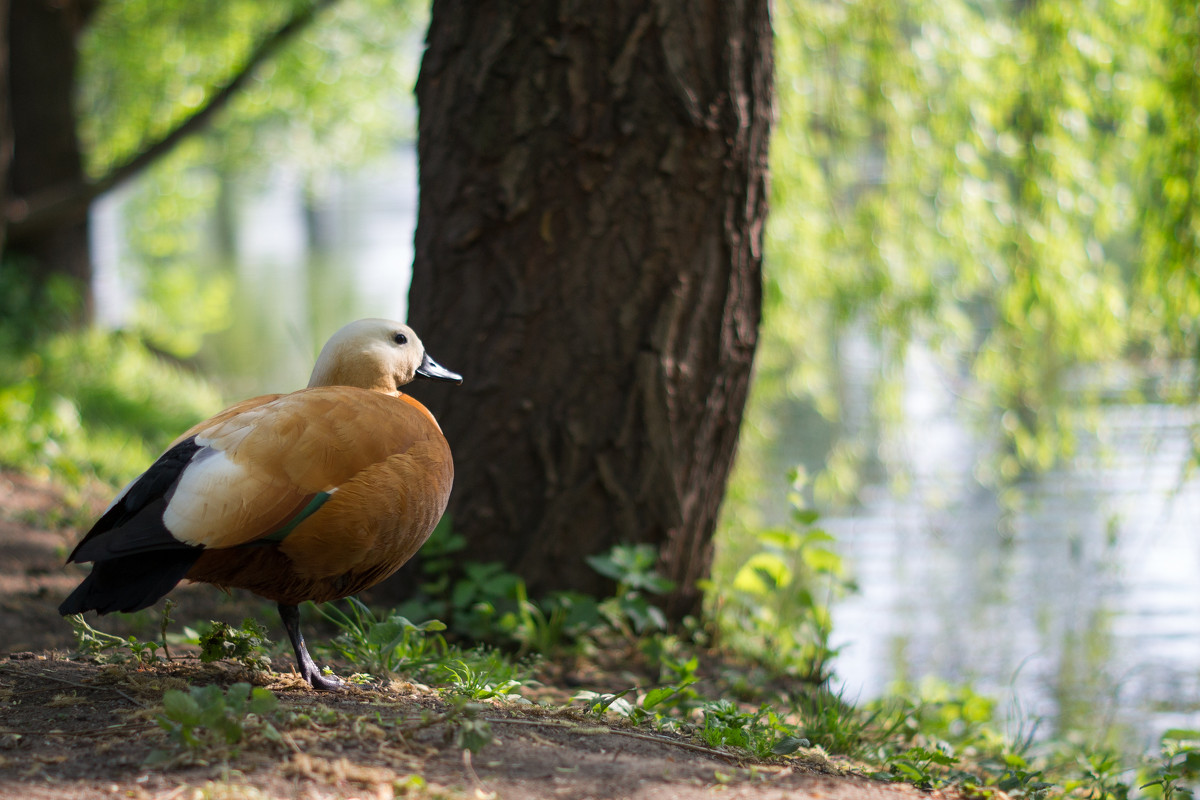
pixel 477 682
pixel 465 728
pixel 205 720
pixel 763 733
pixel 834 724
pixel 1178 767
pixel 924 767
pixel 106 647
pixel 244 644
pixel 629 610
pixel 775 607
pixel 382 646
pixel 1012 774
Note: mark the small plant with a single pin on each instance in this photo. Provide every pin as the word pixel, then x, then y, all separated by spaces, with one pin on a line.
pixel 383 646
pixel 465 727
pixel 629 611
pixel 1180 761
pixel 599 703
pixel 1101 776
pixel 1017 778
pixel 476 683
pixel 776 606
pixel 923 766
pixel 761 732
pixel 206 719
pixel 831 722
pixel 561 621
pixel 244 644
pixel 105 647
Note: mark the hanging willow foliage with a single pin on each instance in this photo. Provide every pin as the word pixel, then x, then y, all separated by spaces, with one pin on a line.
pixel 1012 184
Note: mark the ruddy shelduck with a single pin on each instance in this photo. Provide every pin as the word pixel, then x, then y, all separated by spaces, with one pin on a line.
pixel 313 495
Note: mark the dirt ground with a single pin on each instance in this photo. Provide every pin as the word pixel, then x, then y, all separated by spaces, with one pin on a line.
pixel 74 729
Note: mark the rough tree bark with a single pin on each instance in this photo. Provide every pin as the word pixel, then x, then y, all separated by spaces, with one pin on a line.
pixel 6 137
pixel 588 254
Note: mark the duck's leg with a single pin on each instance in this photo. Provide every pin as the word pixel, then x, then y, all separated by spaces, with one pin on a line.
pixel 308 668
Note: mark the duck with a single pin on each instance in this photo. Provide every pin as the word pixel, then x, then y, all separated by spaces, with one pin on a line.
pixel 313 496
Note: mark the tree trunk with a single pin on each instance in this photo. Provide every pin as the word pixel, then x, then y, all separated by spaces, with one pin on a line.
pixel 588 255
pixel 6 136
pixel 46 153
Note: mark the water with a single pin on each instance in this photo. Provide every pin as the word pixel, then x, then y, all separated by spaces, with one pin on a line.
pixel 1072 598
pixel 300 270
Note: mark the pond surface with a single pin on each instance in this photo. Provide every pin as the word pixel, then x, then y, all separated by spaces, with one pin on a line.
pixel 1073 597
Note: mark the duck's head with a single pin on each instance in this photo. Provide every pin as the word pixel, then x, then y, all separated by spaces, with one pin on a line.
pixel 376 354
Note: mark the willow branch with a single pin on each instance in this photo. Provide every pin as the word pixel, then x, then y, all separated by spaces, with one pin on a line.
pixel 63 204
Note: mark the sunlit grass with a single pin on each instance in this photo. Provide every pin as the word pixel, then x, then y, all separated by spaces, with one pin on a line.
pixel 83 404
pixel 92 403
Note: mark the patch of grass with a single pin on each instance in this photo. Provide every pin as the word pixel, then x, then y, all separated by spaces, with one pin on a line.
pixel 86 404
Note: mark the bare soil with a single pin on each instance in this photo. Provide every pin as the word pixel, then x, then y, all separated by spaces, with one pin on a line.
pixel 74 729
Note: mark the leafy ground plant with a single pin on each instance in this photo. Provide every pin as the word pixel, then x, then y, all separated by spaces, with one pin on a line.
pixel 629 610
pixel 244 644
pixel 775 606
pixel 385 644
pixel 1179 766
pixel 205 721
pixel 763 733
pixel 106 647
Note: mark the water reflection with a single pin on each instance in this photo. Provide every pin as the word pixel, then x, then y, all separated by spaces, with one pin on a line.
pixel 1073 596
pixel 303 264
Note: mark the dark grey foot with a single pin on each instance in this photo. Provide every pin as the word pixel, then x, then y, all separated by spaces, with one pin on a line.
pixel 304 662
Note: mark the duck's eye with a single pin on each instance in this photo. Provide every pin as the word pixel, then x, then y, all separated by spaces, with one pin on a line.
pixel 400 338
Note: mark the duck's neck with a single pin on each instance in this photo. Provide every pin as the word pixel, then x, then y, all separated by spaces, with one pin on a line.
pixel 349 373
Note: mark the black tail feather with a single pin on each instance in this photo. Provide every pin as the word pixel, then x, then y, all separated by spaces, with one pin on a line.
pixel 130 583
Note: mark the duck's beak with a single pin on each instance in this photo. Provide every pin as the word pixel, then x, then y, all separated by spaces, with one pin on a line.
pixel 435 371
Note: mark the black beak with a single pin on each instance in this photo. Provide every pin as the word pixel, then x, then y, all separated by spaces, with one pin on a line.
pixel 435 371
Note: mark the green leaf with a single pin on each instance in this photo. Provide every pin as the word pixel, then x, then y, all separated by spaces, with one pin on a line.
pixel 1180 734
pixel 784 539
pixel 762 574
pixel 805 516
pixel 262 701
pixel 656 696
pixel 180 706
pixel 788 745
pixel 237 695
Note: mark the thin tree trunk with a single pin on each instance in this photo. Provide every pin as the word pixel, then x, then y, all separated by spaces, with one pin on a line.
pixel 588 255
pixel 42 62
pixel 6 134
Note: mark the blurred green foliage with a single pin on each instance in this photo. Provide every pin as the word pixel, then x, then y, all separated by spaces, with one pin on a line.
pixel 333 96
pixel 772 590
pixel 336 95
pixel 995 178
pixel 1013 185
pixel 78 404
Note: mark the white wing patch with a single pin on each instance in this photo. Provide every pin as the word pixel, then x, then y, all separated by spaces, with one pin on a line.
pixel 214 497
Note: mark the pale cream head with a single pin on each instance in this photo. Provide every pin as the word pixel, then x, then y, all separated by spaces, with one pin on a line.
pixel 373 354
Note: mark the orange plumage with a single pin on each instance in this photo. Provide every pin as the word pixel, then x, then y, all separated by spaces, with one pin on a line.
pixel 313 495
